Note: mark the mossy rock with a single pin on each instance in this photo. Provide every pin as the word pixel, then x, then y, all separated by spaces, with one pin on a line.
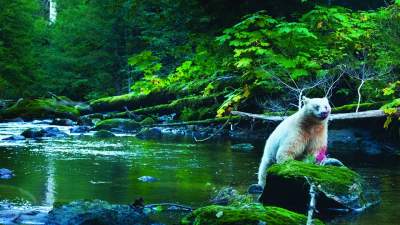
pixel 39 109
pixel 246 214
pixel 339 187
pixel 147 121
pixel 124 125
pixel 103 134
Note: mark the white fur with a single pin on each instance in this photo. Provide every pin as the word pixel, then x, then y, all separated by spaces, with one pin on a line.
pixel 304 132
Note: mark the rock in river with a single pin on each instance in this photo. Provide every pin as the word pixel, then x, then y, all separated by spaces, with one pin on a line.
pixel 6 173
pixel 63 122
pixel 46 132
pixel 147 179
pixel 339 188
pixel 96 212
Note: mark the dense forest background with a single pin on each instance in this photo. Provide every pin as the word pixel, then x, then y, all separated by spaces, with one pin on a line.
pixel 261 54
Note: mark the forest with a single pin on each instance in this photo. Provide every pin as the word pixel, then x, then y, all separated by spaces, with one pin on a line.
pixel 157 94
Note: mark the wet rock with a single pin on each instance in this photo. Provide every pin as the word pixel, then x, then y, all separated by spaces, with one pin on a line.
pixel 229 196
pixel 63 122
pixel 85 121
pixel 149 133
pixel 249 214
pixel 54 132
pixel 126 125
pixel 33 133
pixel 46 132
pixel 339 188
pixel 167 118
pixel 103 134
pixel 14 138
pixel 6 173
pixel 79 129
pixel 243 147
pixel 147 179
pixel 96 212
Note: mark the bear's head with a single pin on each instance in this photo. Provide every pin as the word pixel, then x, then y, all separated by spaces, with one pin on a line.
pixel 317 107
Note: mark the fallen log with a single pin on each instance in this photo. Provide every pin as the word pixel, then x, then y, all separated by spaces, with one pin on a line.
pixel 337 116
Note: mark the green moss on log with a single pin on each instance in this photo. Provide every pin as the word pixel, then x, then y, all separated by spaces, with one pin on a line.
pixel 176 106
pixel 122 124
pixel 334 179
pixel 245 214
pixel 131 101
pixel 353 107
pixel 40 109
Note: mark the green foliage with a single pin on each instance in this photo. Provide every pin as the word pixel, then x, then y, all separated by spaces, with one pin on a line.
pixel 391 108
pixel 19 26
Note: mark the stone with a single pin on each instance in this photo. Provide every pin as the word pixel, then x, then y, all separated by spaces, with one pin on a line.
pixel 339 188
pixel 103 134
pixel 6 173
pixel 96 212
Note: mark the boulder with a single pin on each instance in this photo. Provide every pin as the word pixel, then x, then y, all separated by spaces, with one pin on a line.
pixel 96 212
pixel 46 132
pixel 339 188
pixel 124 125
pixel 63 122
pixel 249 214
pixel 230 196
pixel 103 134
pixel 6 173
pixel 33 133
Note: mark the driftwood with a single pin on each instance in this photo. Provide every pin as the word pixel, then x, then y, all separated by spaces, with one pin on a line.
pixel 337 116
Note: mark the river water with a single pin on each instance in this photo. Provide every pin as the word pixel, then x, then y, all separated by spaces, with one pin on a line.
pixel 54 170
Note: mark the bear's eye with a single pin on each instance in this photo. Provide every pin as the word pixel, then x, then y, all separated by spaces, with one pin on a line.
pixel 316 107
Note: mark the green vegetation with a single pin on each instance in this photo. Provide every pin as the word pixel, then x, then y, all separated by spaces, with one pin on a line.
pixel 338 180
pixel 245 214
pixel 153 57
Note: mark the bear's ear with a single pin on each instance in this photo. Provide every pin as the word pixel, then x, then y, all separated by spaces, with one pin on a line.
pixel 305 100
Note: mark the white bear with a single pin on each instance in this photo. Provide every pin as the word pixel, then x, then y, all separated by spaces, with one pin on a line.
pixel 301 134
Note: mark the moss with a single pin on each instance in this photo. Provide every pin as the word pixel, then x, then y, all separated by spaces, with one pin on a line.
pixel 245 214
pixel 147 121
pixel 352 107
pixel 39 109
pixel 132 101
pixel 122 124
pixel 334 179
pixel 176 106
pixel 103 134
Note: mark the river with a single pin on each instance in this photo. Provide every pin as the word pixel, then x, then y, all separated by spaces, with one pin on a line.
pixel 61 170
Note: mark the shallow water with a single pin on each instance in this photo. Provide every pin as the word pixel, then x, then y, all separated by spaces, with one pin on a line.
pixel 84 167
